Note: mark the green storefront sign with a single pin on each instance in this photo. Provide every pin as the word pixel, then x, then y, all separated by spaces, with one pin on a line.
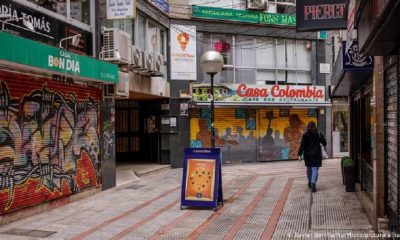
pixel 243 16
pixel 34 54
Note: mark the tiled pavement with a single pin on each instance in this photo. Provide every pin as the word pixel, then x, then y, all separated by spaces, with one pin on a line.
pixel 262 201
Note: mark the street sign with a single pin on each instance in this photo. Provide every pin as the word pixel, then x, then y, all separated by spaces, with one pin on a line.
pixel 202 180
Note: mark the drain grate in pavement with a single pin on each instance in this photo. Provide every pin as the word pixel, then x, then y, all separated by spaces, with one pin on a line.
pixel 28 233
pixel 134 187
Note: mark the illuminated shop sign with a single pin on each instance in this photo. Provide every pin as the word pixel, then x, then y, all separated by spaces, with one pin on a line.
pixel 246 93
pixel 315 15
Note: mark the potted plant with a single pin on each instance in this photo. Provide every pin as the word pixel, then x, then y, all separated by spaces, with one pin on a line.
pixel 341 167
pixel 348 173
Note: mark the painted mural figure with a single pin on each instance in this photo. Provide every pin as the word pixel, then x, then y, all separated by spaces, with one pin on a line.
pixel 205 136
pixel 293 133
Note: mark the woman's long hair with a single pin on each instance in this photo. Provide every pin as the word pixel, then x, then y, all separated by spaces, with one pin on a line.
pixel 312 127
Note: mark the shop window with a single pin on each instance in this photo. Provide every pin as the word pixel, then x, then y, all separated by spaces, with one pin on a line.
pixel 256 60
pixel 245 75
pixel 162 42
pixel 141 35
pixel 125 25
pixel 59 7
pixel 79 9
pixel 340 135
pixel 152 39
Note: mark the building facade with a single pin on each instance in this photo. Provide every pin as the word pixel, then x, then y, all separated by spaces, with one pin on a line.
pixel 51 99
pixel 376 22
pixel 138 106
pixel 269 88
pixel 369 77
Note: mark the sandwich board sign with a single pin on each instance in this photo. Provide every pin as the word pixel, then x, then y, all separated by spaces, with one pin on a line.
pixel 202 180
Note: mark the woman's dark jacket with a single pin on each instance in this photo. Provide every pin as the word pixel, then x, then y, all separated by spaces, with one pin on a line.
pixel 310 146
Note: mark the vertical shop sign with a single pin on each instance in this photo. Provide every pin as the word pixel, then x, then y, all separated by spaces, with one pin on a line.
pixel 117 9
pixel 202 180
pixel 183 52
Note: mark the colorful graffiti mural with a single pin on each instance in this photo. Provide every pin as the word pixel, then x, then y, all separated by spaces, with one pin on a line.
pixel 49 144
pixel 251 135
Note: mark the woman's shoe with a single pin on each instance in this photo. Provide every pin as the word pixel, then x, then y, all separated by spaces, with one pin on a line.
pixel 313 189
pixel 309 185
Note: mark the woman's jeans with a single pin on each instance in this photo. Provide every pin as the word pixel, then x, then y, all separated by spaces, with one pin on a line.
pixel 312 174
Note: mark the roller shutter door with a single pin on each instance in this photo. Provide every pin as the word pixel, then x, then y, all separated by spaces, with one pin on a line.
pixel 49 139
pixel 392 119
pixel 252 135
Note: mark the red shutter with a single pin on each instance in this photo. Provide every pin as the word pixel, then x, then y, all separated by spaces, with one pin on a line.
pixel 49 139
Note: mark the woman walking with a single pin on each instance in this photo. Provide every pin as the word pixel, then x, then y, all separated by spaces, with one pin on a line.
pixel 311 148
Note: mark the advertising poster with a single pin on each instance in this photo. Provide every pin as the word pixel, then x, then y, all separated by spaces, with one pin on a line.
pixel 200 179
pixel 183 52
pixel 117 9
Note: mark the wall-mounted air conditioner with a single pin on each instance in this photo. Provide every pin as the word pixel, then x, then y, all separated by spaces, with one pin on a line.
pixel 120 90
pixel 158 63
pixel 148 61
pixel 136 57
pixel 116 46
pixel 256 5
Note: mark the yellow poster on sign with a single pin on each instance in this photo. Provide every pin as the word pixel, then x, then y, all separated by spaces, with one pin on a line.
pixel 200 179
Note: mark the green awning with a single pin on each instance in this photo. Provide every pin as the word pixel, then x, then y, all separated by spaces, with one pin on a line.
pixel 30 53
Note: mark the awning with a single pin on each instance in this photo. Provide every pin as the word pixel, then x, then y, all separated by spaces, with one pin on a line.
pixel 18 52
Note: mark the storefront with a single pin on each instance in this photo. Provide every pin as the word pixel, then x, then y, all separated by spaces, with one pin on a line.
pixel 341 130
pixel 50 122
pixel 256 123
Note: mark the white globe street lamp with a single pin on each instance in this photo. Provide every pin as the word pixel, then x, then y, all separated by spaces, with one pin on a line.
pixel 212 63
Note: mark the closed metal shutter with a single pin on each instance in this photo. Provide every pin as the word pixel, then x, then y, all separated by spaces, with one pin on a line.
pixel 252 135
pixel 49 139
pixel 392 79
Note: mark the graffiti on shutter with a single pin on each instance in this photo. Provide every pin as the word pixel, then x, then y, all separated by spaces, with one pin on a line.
pixel 252 135
pixel 49 140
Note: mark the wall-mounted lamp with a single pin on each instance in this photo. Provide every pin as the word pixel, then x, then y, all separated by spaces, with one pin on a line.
pixel 74 39
pixel 25 21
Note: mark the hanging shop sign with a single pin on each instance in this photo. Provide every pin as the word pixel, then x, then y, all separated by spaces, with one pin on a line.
pixel 202 180
pixel 243 16
pixel 354 60
pixel 183 52
pixel 48 29
pixel 117 9
pixel 163 5
pixel 273 94
pixel 313 15
pixel 55 60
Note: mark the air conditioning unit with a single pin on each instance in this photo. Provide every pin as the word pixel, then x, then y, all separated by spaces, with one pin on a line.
pixel 148 61
pixel 256 4
pixel 116 46
pixel 120 90
pixel 136 57
pixel 158 63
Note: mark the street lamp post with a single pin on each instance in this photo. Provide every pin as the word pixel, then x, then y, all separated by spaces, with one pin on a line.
pixel 212 63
